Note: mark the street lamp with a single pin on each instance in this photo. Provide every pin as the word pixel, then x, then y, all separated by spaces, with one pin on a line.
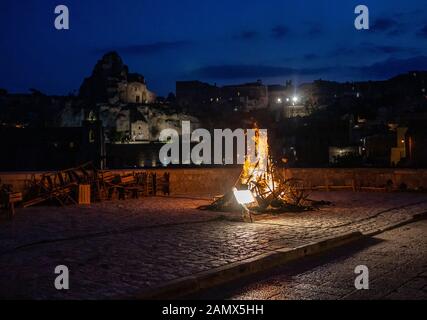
pixel 243 197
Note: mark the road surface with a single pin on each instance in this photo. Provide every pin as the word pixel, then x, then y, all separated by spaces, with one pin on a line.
pixel 397 263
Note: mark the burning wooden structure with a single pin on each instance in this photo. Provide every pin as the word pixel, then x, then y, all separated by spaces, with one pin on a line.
pixel 261 187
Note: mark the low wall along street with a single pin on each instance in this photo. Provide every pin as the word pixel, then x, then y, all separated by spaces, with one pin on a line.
pixel 216 181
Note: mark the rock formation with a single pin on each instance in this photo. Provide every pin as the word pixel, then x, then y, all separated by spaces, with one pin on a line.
pixel 111 82
pixel 124 105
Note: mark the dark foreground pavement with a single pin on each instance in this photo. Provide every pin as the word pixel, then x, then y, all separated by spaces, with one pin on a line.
pixel 397 262
pixel 132 248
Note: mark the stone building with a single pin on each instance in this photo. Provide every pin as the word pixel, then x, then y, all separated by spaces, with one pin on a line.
pixel 196 93
pixel 111 82
pixel 140 131
pixel 248 96
pixel 122 121
pixel 399 151
pixel 135 91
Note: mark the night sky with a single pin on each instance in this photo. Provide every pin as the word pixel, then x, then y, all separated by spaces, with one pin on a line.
pixel 222 41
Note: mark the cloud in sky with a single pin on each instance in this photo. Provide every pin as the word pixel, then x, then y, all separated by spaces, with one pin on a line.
pixel 384 24
pixel 151 48
pixel 277 32
pixel 246 35
pixel 381 70
pixel 280 31
pixel 310 56
pixel 392 49
pixel 392 67
pixel 389 26
pixel 369 48
pixel 423 32
pixel 315 30
pixel 251 71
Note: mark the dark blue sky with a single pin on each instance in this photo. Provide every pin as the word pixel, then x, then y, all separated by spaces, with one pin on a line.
pixel 222 41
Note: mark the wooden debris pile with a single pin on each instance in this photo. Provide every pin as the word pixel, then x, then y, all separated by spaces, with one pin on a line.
pixel 60 187
pixel 84 185
pixel 8 199
pixel 133 185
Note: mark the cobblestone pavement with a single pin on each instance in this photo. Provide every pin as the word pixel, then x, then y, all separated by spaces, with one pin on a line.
pixel 396 259
pixel 119 249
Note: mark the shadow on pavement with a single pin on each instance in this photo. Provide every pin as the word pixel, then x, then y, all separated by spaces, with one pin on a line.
pixel 289 270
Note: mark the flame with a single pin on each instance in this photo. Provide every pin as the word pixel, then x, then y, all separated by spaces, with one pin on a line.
pixel 261 179
pixel 257 170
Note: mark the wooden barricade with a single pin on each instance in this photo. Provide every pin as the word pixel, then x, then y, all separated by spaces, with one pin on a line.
pixel 84 194
pixel 13 198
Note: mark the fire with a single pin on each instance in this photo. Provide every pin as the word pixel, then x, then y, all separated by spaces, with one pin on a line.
pixel 261 187
pixel 256 161
pixel 258 175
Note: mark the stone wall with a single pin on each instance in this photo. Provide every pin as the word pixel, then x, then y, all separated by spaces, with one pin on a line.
pixel 214 181
pixel 362 178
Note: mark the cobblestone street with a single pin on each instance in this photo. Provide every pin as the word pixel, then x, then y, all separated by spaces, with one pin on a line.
pixel 120 249
pixel 397 270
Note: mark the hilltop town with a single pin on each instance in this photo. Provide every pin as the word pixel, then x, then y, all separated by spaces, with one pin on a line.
pixel 323 123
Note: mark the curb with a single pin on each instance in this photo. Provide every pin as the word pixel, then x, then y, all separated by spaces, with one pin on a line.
pixel 414 218
pixel 261 263
pixel 218 276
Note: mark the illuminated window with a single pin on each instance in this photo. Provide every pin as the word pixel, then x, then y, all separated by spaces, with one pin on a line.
pixel 91 136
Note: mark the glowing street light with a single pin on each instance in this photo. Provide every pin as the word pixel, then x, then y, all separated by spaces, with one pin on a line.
pixel 243 197
pixel 295 99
